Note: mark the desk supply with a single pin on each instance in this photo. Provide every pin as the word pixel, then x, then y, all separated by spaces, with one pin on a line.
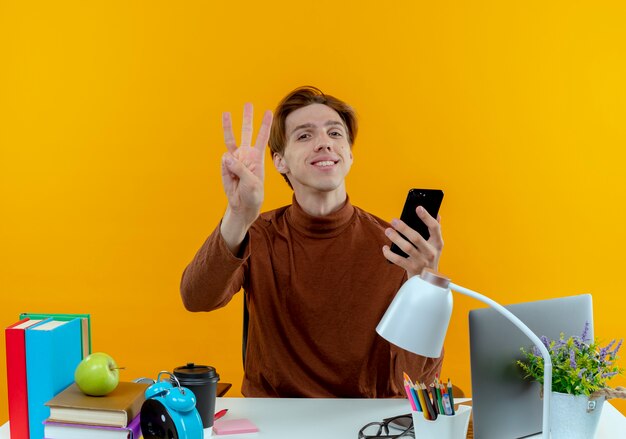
pixel 447 407
pixel 116 409
pixel 437 394
pixel 437 402
pixel 234 426
pixel 439 420
pixel 60 430
pixel 444 427
pixel 422 400
pixel 202 381
pixel 17 391
pixel 169 411
pixel 85 325
pixel 451 395
pixel 53 350
pixel 430 406
pixel 411 393
pixel 220 414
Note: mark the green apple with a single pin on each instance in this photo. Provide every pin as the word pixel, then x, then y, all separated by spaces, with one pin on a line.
pixel 97 374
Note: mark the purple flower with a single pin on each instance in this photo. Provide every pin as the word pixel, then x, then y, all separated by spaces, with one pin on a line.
pixel 572 359
pixel 609 374
pixel 619 345
pixel 536 351
pixel 578 342
pixel 585 333
pixel 582 371
pixel 545 341
pixel 605 350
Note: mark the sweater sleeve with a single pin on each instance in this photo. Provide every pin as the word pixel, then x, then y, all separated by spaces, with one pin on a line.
pixel 214 275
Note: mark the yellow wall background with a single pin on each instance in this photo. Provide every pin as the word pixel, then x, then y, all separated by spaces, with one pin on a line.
pixel 110 134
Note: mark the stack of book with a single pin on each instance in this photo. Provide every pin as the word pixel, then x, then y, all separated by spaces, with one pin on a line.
pixel 42 352
pixel 74 415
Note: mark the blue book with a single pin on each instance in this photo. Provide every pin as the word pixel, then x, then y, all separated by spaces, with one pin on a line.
pixel 53 351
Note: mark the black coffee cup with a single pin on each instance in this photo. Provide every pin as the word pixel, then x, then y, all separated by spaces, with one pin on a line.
pixel 202 381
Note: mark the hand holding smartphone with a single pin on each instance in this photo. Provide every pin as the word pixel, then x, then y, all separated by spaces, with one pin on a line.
pixel 429 199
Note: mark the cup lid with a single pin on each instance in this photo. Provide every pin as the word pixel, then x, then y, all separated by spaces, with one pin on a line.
pixel 195 371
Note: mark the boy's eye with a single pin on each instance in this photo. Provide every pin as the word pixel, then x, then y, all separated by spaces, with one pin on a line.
pixel 303 136
pixel 336 134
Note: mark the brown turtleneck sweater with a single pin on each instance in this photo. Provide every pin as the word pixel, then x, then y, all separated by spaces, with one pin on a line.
pixel 316 289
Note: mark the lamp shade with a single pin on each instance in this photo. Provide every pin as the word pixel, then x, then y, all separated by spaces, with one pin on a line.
pixel 418 317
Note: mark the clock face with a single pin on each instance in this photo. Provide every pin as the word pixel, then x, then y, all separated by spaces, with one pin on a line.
pixel 156 422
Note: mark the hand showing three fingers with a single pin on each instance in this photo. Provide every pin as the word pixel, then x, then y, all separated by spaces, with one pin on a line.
pixel 243 166
pixel 243 177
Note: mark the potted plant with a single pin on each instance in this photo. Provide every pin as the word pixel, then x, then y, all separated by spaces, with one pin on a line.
pixel 580 368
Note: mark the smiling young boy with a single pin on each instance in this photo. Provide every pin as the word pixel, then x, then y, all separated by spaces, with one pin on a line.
pixel 316 280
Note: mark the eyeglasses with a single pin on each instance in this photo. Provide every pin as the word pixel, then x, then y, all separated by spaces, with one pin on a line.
pixel 380 430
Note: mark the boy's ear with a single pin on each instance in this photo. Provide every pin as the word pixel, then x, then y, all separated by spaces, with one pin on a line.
pixel 279 163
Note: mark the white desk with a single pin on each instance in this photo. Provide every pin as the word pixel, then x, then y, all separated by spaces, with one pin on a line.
pixel 338 418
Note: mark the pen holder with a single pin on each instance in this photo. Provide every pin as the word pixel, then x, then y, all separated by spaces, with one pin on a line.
pixel 444 427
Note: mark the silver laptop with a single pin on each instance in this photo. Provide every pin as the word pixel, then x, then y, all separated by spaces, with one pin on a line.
pixel 505 405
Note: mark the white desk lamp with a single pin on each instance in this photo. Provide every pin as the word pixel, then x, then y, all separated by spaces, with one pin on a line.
pixel 417 321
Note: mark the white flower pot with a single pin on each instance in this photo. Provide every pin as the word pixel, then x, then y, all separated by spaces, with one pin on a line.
pixel 570 417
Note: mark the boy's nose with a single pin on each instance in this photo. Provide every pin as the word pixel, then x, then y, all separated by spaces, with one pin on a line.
pixel 323 144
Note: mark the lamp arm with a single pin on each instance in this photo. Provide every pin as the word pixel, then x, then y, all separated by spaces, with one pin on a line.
pixel 547 362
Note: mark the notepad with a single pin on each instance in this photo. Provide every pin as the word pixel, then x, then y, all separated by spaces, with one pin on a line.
pixel 234 426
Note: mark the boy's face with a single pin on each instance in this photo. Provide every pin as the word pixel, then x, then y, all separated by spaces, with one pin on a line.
pixel 317 155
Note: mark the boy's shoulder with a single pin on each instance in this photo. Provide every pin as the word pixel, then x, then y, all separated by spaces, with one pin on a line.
pixel 369 218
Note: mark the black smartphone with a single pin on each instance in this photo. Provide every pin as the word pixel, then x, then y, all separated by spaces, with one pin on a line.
pixel 431 200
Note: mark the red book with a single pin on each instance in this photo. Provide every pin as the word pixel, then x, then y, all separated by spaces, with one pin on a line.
pixel 16 377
